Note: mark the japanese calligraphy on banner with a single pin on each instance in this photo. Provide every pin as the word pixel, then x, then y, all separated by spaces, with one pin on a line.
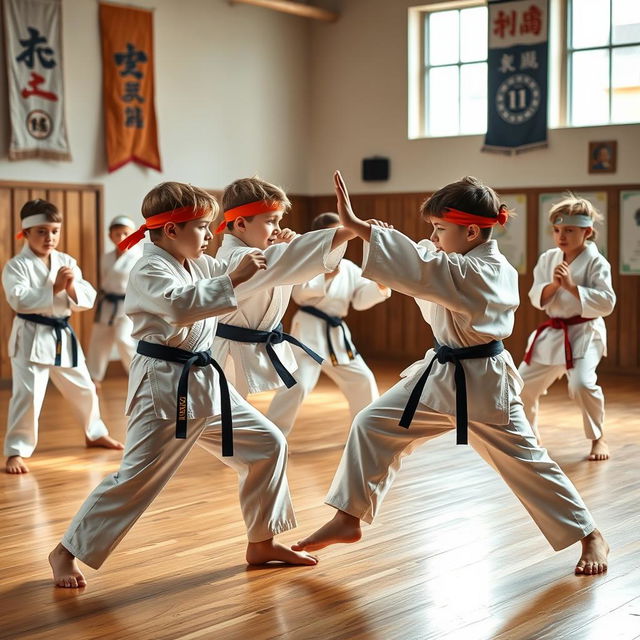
pixel 517 75
pixel 128 86
pixel 34 70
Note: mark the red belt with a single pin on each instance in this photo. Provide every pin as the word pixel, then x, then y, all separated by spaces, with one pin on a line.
pixel 557 323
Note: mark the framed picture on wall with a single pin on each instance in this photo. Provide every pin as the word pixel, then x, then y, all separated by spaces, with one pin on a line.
pixel 545 229
pixel 603 156
pixel 512 238
pixel 630 233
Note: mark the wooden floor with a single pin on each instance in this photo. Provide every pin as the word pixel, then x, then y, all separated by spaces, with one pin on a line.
pixel 452 555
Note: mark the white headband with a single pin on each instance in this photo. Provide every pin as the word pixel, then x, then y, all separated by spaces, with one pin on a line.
pixel 123 221
pixel 34 221
pixel 578 220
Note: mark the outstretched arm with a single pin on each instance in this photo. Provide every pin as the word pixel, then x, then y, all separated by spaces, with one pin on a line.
pixel 350 221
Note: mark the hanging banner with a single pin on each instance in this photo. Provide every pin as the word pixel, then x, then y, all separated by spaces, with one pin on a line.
pixel 128 86
pixel 517 75
pixel 33 30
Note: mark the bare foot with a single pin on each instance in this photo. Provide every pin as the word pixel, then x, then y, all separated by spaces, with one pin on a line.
pixel 269 550
pixel 65 569
pixel 106 442
pixel 599 450
pixel 594 555
pixel 15 464
pixel 98 384
pixel 341 528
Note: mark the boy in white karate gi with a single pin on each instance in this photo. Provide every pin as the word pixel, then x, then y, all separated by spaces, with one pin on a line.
pixel 250 344
pixel 44 286
pixel 572 284
pixel 174 294
pixel 112 325
pixel 467 292
pixel 319 323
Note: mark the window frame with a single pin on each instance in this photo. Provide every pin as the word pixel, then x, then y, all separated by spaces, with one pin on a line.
pixel 560 63
pixel 418 67
pixel 567 62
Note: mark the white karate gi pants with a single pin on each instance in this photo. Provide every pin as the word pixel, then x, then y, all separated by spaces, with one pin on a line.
pixel 377 444
pixel 355 380
pixel 103 338
pixel 153 454
pixel 29 386
pixel 582 384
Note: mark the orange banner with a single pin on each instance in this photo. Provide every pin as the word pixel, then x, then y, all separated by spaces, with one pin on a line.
pixel 128 86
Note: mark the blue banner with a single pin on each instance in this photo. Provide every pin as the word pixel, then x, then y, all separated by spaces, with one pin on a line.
pixel 517 75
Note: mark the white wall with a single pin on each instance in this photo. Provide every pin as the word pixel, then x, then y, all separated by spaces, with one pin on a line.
pixel 359 108
pixel 243 90
pixel 232 91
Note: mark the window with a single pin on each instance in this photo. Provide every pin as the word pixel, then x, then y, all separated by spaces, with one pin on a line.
pixel 594 65
pixel 452 82
pixel 603 54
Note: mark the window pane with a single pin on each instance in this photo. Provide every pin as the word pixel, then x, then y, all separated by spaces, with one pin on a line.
pixel 590 87
pixel 626 21
pixel 473 34
pixel 443 101
pixel 625 83
pixel 590 23
pixel 443 37
pixel 473 101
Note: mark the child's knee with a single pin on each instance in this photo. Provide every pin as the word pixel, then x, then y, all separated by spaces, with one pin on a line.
pixel 581 385
pixel 274 444
pixel 366 420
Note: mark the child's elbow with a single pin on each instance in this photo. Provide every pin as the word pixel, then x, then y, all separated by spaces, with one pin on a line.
pixel 610 306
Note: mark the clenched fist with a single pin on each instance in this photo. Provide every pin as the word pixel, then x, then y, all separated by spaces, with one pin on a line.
pixel 248 266
pixel 285 236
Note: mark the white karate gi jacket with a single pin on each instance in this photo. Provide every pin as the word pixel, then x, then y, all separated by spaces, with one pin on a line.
pixel 263 301
pixel 28 285
pixel 468 300
pixel 115 272
pixel 333 297
pixel 172 306
pixel 592 274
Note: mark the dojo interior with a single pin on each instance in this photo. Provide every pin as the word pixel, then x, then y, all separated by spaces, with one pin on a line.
pixel 292 93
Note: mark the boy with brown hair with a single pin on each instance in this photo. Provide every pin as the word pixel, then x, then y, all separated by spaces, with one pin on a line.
pixel 44 286
pixel 174 294
pixel 468 293
pixel 251 346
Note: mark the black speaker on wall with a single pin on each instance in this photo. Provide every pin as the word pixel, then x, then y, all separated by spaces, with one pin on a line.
pixel 375 168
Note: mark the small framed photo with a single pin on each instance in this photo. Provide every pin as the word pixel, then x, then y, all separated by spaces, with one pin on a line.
pixel 603 156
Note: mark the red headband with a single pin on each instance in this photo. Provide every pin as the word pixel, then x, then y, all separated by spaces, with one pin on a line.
pixel 183 214
pixel 463 218
pixel 247 211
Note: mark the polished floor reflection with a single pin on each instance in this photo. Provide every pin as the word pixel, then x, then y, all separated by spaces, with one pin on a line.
pixel 453 554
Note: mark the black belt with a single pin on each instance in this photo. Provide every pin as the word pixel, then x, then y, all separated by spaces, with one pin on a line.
pixel 58 325
pixel 332 321
pixel 115 299
pixel 447 354
pixel 193 359
pixel 276 336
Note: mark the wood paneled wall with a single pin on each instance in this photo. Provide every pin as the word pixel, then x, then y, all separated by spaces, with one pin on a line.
pixel 395 329
pixel 81 206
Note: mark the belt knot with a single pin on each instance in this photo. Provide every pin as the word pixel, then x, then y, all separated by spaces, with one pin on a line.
pixel 276 336
pixel 445 354
pixel 204 359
